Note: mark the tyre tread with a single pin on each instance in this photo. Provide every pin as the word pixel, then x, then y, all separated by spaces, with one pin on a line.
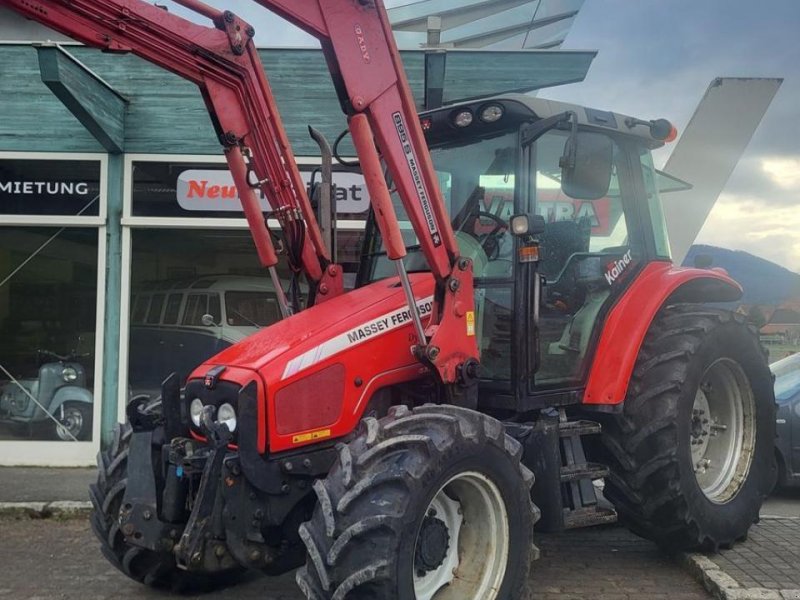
pixel 640 444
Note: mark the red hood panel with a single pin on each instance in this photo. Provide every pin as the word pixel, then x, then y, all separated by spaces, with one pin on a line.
pixel 314 326
pixel 320 368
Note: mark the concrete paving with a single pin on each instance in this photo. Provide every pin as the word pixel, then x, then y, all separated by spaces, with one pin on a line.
pixel 61 559
pixel 606 563
pixel 765 567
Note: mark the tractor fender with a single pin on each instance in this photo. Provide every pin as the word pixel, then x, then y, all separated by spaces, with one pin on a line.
pixel 70 393
pixel 658 284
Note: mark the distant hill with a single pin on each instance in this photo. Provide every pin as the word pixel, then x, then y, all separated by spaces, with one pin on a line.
pixel 764 282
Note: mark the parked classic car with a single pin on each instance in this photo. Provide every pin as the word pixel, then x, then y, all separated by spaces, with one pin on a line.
pixel 787 395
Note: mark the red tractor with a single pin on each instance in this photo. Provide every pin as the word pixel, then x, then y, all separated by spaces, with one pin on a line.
pixel 517 317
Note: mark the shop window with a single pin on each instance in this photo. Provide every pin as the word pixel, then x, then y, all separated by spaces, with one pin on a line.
pixel 250 308
pixel 179 275
pixel 50 187
pixel 48 298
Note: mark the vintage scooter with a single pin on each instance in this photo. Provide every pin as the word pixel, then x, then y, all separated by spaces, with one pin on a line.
pixel 57 399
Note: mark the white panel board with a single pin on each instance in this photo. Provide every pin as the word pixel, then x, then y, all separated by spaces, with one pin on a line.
pixel 708 151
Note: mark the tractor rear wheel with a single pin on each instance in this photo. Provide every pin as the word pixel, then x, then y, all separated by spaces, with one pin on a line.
pixel 155 569
pixel 429 504
pixel 692 455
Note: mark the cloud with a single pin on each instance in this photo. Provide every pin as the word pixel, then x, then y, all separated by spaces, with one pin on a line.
pixel 784 172
pixel 750 224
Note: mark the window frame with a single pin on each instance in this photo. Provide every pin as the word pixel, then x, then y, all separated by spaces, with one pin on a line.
pixel 58 453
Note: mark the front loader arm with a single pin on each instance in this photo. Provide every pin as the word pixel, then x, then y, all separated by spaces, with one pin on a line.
pixel 223 62
pixel 368 74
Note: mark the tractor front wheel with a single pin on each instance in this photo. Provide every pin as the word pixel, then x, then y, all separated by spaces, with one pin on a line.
pixel 429 504
pixel 692 455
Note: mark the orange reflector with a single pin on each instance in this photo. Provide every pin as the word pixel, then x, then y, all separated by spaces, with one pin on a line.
pixel 672 135
pixel 529 254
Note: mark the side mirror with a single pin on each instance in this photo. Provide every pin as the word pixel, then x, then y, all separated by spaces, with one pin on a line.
pixel 208 321
pixel 586 166
pixel 527 225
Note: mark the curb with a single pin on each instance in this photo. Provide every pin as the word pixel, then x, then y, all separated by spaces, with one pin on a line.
pixel 724 587
pixel 62 509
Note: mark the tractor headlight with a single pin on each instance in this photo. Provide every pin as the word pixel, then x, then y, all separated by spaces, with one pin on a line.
pixel 227 415
pixel 196 411
pixel 69 374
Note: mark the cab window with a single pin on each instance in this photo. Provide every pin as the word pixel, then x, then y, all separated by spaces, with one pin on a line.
pixel 477 181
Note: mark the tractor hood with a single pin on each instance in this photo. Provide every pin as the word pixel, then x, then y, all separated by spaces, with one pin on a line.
pixel 318 371
pixel 319 332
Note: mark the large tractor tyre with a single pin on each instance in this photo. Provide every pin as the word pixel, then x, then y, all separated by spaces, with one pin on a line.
pixel 692 455
pixel 422 504
pixel 154 569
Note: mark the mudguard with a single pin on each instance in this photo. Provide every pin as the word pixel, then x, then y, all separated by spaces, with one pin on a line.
pixel 70 393
pixel 658 284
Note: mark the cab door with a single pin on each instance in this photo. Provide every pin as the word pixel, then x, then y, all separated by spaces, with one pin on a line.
pixel 589 253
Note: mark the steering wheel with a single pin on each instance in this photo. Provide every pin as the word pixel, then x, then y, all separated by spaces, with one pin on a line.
pixel 490 241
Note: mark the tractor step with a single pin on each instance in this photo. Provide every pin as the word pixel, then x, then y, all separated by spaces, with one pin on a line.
pixel 585 517
pixel 589 471
pixel 564 488
pixel 582 427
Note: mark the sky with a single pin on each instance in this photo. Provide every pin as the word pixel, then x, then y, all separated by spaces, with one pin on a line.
pixel 655 59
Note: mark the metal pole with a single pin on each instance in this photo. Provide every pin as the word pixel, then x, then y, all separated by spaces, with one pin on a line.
pixel 412 302
pixel 283 303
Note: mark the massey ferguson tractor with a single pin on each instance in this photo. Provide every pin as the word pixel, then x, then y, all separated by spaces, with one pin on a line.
pixel 517 333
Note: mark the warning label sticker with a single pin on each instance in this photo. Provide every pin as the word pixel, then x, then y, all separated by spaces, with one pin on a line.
pixel 320 434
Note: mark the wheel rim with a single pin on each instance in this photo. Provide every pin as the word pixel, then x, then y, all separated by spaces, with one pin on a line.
pixel 722 431
pixel 462 544
pixel 71 425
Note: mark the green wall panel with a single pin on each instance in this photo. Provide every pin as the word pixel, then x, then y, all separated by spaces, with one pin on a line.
pixel 166 114
pixel 94 104
pixel 470 75
pixel 31 117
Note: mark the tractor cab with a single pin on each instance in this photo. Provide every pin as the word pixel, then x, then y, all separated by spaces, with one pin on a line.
pixel 586 183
